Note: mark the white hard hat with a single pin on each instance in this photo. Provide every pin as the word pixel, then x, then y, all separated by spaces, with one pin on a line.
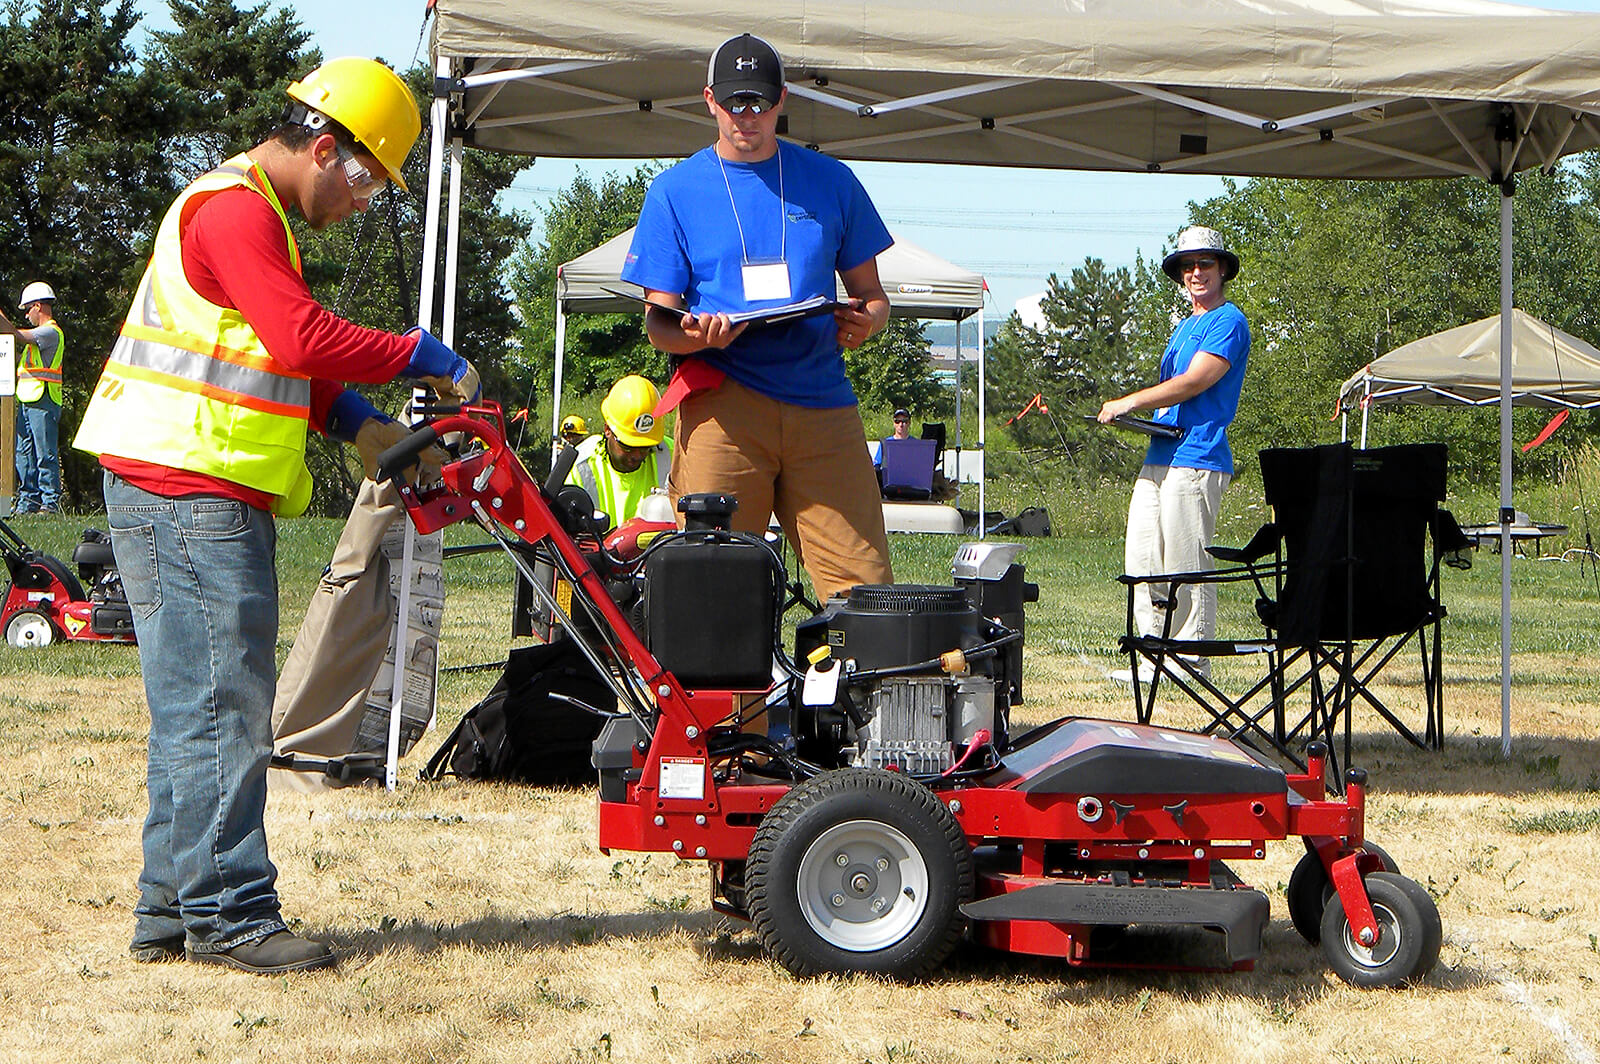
pixel 34 291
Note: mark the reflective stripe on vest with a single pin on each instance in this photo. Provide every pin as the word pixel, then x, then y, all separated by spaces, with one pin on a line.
pixel 34 377
pixel 189 385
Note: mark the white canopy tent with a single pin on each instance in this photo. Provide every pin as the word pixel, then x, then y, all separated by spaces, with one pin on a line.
pixel 1289 88
pixel 1461 367
pixel 919 284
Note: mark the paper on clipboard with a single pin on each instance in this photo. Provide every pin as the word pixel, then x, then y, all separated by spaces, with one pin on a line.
pixel 1142 425
pixel 804 308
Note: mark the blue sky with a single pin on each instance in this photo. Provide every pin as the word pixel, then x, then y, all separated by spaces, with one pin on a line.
pixel 1013 226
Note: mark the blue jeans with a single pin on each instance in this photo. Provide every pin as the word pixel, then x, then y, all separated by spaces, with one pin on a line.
pixel 38 460
pixel 200 577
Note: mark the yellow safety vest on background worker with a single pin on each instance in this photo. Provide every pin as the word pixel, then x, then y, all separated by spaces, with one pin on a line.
pixel 34 377
pixel 189 385
pixel 619 494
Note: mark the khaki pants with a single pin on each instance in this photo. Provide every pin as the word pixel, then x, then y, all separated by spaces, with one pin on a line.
pixel 810 467
pixel 322 690
pixel 1171 519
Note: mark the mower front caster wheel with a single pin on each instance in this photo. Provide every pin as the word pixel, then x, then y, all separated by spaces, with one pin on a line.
pixel 1409 934
pixel 28 629
pixel 1310 888
pixel 859 870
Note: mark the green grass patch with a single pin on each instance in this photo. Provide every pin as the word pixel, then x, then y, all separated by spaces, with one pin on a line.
pixel 1560 822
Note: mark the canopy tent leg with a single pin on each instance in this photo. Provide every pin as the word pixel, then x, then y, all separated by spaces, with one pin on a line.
pixel 1507 512
pixel 983 455
pixel 561 357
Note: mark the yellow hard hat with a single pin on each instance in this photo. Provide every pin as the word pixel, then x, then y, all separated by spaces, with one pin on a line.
pixel 369 100
pixel 629 408
pixel 574 425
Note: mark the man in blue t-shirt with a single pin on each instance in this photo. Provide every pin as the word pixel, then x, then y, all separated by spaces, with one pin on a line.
pixel 767 413
pixel 1173 512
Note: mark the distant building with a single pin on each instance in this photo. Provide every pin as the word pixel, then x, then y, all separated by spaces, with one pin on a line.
pixel 1031 310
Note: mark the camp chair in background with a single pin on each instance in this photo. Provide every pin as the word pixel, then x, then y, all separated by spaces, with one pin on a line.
pixel 1345 580
pixel 908 468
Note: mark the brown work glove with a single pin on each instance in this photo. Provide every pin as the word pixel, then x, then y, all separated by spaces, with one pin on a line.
pixel 377 435
pixel 463 390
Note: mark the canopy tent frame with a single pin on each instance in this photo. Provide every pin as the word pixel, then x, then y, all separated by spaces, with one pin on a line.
pixel 1276 88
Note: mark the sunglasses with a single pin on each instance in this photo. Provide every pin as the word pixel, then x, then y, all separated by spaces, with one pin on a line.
pixel 1204 262
pixel 363 186
pixel 755 105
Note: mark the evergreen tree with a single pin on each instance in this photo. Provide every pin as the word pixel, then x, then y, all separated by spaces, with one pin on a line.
pixel 83 178
pixel 892 370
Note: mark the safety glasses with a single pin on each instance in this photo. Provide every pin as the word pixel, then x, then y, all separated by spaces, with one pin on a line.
pixel 1202 262
pixel 363 186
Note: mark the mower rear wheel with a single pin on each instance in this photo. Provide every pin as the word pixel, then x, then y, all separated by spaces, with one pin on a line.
pixel 1409 934
pixel 27 629
pixel 1310 888
pixel 859 870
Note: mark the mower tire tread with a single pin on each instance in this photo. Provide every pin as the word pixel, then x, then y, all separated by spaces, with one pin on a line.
pixel 860 820
pixel 1410 934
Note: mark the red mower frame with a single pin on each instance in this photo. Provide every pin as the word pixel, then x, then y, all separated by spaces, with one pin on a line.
pixel 1027 865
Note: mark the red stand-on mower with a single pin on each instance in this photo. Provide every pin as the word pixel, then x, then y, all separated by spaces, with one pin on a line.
pixel 862 801
pixel 44 602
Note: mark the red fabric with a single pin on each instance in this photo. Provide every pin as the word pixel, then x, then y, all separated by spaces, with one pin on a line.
pixel 693 377
pixel 235 254
pixel 1548 431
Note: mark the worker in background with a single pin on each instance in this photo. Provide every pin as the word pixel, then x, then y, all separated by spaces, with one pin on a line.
pixel 574 429
pixel 38 400
pixel 632 456
pixel 200 420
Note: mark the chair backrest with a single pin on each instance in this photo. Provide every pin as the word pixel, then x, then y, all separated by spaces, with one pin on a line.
pixel 934 430
pixel 908 466
pixel 1355 526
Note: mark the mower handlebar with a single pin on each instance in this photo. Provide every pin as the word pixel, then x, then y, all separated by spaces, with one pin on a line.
pixel 559 469
pixel 400 457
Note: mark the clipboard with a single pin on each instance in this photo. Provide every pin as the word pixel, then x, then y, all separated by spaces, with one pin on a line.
pixel 1142 425
pixel 805 308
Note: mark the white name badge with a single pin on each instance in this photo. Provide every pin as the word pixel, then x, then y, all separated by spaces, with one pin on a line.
pixel 766 280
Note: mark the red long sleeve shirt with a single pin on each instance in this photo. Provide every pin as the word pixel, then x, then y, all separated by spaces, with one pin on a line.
pixel 236 255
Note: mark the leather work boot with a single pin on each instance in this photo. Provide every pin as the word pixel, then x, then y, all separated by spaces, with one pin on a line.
pixel 279 952
pixel 166 949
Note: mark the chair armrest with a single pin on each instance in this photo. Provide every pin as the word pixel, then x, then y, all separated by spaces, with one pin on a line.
pixel 1263 543
pixel 1453 546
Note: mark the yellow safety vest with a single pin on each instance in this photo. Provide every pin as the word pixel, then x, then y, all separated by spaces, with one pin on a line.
pixel 189 385
pixel 34 378
pixel 619 494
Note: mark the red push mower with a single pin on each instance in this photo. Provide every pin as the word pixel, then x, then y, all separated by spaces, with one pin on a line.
pixel 45 603
pixel 862 802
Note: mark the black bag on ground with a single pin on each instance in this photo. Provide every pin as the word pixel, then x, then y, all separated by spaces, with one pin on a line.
pixel 1033 521
pixel 527 729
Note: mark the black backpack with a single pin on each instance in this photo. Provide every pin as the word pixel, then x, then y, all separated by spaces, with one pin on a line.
pixel 522 734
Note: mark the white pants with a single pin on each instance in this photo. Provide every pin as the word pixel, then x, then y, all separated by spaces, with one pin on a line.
pixel 1171 519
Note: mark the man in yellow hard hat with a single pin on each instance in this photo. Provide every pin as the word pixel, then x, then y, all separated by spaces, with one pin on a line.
pixel 38 400
pixel 632 456
pixel 200 420
pixel 574 429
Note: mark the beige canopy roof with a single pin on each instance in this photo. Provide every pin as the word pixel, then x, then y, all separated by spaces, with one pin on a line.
pixel 919 283
pixel 1461 367
pixel 1326 88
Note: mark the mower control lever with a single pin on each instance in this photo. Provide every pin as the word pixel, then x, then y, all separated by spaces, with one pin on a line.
pixel 559 470
pixel 394 461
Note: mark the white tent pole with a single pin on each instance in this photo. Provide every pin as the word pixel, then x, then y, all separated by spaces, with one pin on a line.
pixel 958 403
pixel 983 455
pixel 1366 409
pixel 561 354
pixel 1507 513
pixel 438 118
pixel 452 245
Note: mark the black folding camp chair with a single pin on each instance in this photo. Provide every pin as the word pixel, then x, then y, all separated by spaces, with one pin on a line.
pixel 1344 582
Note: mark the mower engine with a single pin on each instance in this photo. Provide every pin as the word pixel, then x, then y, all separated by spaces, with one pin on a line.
pixel 912 677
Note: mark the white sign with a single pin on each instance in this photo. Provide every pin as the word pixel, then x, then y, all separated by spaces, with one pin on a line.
pixel 8 365
pixel 683 777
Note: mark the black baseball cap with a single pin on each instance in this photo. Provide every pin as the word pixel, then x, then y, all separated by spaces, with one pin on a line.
pixel 745 66
pixel 902 413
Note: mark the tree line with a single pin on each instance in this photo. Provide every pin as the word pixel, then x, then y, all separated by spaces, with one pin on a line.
pixel 97 137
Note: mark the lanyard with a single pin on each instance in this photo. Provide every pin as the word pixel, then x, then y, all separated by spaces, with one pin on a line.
pixel 783 215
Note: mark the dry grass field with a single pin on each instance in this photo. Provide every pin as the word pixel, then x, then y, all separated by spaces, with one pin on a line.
pixel 479 922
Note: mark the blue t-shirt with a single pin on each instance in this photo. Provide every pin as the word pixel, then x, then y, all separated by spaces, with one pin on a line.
pixel 688 242
pixel 1205 418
